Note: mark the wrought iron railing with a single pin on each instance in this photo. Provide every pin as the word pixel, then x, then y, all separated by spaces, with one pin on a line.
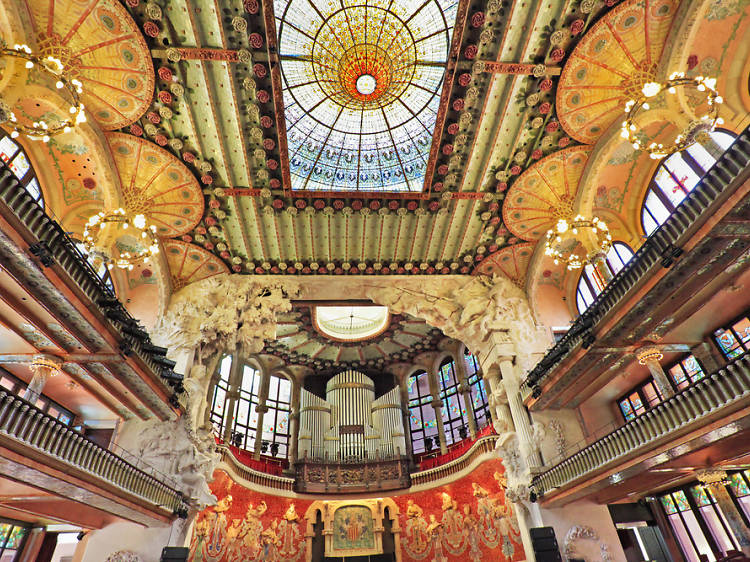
pixel 660 249
pixel 54 246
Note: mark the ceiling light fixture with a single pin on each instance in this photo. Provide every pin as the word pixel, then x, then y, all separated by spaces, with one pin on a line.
pixel 695 129
pixel 103 229
pixel 41 129
pixel 576 242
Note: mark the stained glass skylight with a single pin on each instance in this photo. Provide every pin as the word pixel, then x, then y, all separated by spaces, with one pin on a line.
pixel 361 83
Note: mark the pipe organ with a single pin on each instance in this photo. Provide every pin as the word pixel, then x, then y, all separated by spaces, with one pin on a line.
pixel 350 425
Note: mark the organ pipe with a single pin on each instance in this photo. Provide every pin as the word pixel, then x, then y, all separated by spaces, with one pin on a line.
pixel 350 425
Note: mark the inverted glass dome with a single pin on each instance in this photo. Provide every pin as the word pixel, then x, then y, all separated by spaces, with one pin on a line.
pixel 361 85
pixel 351 323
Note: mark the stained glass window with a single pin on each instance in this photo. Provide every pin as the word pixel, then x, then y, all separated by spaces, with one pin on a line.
pixel 676 176
pixel 734 340
pixel 686 372
pixel 478 389
pixel 15 158
pixel 592 282
pixel 639 400
pixel 739 485
pixel 423 424
pixel 455 419
pixel 668 504
pixel 276 419
pixel 246 415
pixel 361 85
pixel 12 537
pixel 218 402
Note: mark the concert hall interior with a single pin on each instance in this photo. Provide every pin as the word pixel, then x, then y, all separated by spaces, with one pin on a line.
pixel 374 280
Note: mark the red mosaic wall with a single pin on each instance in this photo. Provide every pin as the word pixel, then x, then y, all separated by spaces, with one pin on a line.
pixel 465 520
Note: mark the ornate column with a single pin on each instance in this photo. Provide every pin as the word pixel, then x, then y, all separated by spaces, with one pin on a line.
pixel 650 356
pixel 465 390
pixel 511 383
pixel 406 417
pixel 707 356
pixel 44 367
pixel 497 400
pixel 294 423
pixel 602 267
pixel 716 481
pixel 261 408
pixel 437 405
pixel 235 381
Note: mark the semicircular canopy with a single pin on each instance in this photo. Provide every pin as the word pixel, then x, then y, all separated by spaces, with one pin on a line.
pixel 511 261
pixel 544 193
pixel 189 263
pixel 609 66
pixel 351 323
pixel 102 46
pixel 361 88
pixel 157 185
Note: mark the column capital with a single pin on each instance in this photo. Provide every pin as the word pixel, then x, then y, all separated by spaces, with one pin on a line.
pixel 712 476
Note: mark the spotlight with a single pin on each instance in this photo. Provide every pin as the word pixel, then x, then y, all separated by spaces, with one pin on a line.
pixel 532 496
pixel 536 392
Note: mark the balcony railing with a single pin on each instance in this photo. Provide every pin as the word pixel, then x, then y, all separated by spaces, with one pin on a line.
pixel 24 425
pixel 480 447
pixel 55 246
pixel 253 476
pixel 661 248
pixel 726 387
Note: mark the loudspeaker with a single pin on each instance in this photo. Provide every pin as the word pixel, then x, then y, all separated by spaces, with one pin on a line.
pixel 544 543
pixel 541 533
pixel 174 554
pixel 549 556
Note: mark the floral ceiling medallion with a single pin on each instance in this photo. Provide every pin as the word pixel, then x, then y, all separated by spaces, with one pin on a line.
pixel 361 86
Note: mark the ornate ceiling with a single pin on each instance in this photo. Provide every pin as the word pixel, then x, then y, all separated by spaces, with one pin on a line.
pixel 346 139
pixel 300 342
pixel 289 113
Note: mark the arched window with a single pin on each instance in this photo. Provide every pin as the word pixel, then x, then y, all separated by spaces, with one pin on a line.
pixel 16 160
pixel 422 424
pixel 591 282
pixel 245 416
pixel 676 176
pixel 219 400
pixel 246 420
pixel 478 390
pixel 453 411
pixel 276 419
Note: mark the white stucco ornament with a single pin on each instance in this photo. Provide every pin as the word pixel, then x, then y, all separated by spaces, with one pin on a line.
pixel 124 556
pixel 578 532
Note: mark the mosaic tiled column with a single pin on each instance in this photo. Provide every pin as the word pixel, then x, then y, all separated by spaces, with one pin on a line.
pixel 650 356
pixel 716 482
pixel 44 367
pixel 465 390
pixel 511 383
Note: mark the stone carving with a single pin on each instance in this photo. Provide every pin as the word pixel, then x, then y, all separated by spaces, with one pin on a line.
pixel 225 311
pixel 560 442
pixel 124 556
pixel 470 310
pixel 583 532
pixel 167 447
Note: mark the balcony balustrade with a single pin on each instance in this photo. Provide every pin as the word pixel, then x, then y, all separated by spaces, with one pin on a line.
pixel 26 430
pixel 729 172
pixel 728 388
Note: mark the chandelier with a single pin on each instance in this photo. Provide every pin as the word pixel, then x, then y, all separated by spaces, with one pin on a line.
pixel 578 241
pixel 103 229
pixel 52 66
pixel 689 134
